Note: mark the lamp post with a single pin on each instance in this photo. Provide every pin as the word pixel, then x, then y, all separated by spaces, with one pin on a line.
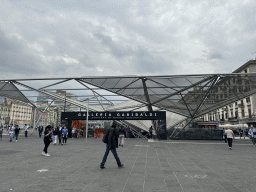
pixel 87 117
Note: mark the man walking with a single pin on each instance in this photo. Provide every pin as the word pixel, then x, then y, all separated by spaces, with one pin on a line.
pixel 230 137
pixel 26 130
pixel 60 133
pixel 151 132
pixel 112 144
pixel 252 133
pixel 40 130
pixel 17 131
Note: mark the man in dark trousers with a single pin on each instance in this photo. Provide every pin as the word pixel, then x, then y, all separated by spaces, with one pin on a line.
pixel 40 130
pixel 151 132
pixel 112 144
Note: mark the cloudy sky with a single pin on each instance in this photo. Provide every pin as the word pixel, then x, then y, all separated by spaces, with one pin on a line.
pixel 73 38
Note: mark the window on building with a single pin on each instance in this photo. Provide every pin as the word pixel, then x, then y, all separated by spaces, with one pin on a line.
pixel 242 112
pixel 245 71
pixel 250 113
pixel 236 114
pixel 248 100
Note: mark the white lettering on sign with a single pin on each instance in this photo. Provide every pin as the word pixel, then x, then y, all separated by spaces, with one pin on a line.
pixel 118 114
pixel 79 114
pixel 84 114
pixel 127 114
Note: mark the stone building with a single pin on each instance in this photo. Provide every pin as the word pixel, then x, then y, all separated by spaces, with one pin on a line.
pixel 240 112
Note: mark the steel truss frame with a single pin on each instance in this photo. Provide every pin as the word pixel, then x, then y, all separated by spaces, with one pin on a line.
pixel 190 96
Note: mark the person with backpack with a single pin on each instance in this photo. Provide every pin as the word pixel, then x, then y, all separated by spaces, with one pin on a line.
pixel 111 140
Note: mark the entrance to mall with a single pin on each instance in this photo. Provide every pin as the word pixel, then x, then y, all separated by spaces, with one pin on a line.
pixel 159 116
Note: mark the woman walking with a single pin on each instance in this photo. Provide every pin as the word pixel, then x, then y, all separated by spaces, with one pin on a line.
pixel 47 140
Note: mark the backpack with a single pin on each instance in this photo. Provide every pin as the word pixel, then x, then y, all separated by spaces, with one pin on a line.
pixel 105 137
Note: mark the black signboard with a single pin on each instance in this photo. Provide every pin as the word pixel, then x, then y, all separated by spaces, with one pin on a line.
pixel 124 115
pixel 67 117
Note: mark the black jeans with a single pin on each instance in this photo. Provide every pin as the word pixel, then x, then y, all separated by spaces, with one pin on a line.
pixel 59 138
pixel 225 138
pixel 230 142
pixel 46 145
pixel 64 138
pixel 26 133
pixel 16 135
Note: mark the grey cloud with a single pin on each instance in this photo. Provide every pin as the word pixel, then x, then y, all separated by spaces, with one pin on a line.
pixel 118 50
pixel 14 58
pixel 216 55
pixel 146 62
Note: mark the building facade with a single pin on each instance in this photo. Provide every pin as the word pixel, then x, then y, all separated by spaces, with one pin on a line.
pixel 240 112
pixel 20 114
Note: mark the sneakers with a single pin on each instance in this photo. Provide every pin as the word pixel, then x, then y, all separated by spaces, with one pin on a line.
pixel 43 153
pixel 61 143
pixel 121 166
pixel 16 140
pixel 230 148
pixel 102 167
pixel 47 154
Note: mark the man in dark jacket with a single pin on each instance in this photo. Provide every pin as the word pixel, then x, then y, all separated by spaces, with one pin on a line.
pixel 112 144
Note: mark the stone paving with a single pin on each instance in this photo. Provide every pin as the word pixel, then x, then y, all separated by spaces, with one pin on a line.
pixel 149 166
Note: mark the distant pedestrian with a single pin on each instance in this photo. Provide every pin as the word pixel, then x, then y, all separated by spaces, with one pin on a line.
pixel 40 130
pixel 224 135
pixel 60 133
pixel 230 137
pixel 64 135
pixel 17 131
pixel 121 136
pixel 26 130
pixel 78 133
pixel 55 135
pixel 73 132
pixel 252 133
pixel 47 139
pixel 128 132
pixel 151 132
pixel 11 132
pixel 111 145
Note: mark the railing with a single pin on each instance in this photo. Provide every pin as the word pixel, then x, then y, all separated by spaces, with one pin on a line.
pixel 197 134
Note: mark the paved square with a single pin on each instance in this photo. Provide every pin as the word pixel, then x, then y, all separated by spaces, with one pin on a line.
pixel 149 166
